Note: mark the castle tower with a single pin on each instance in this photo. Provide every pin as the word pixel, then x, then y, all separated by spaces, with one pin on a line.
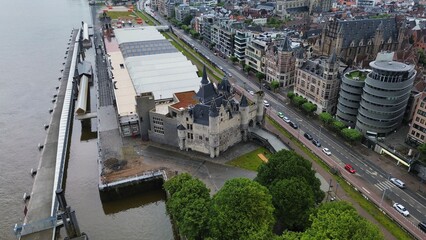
pixel 244 110
pixel 182 136
pixel 214 130
pixel 260 95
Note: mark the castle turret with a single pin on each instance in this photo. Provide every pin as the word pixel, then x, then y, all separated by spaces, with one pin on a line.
pixel 214 130
pixel 182 136
pixel 260 95
pixel 244 110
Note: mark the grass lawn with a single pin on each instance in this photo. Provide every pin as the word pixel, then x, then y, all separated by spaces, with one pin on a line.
pixel 251 160
pixel 116 15
pixel 370 207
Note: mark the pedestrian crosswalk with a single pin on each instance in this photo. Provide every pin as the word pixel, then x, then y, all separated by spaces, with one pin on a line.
pixel 384 185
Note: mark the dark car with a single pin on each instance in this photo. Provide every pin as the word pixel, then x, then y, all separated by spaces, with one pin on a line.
pixel 422 226
pixel 308 136
pixel 316 143
pixel 293 125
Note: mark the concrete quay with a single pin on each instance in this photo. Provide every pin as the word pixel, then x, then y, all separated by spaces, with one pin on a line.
pixel 40 220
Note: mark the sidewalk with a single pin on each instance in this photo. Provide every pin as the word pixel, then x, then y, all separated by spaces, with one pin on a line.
pixel 327 175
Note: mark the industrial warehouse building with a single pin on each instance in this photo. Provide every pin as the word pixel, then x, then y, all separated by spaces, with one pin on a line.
pixel 159 96
pixel 143 62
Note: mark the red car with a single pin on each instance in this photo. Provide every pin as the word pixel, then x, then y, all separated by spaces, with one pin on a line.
pixel 349 168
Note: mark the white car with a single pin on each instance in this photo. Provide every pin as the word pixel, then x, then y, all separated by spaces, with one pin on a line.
pixel 397 182
pixel 326 151
pixel 266 103
pixel 251 92
pixel 286 119
pixel 401 209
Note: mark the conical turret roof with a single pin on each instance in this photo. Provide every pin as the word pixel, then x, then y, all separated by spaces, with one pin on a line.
pixel 244 102
pixel 204 79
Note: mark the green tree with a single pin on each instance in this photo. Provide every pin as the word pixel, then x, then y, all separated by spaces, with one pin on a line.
pixel 260 76
pixel 293 200
pixel 326 118
pixel 351 134
pixel 247 69
pixel 339 220
pixel 286 165
pixel 291 95
pixel 189 205
pixel 242 209
pixel 234 59
pixel 187 20
pixel 338 125
pixel 275 85
pixel 422 150
pixel 299 100
pixel 175 184
pixel 309 107
pixel 288 235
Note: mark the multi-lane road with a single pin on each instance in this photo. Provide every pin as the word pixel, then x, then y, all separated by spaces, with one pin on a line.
pixel 374 181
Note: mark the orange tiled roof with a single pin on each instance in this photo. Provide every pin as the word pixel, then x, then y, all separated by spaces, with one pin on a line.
pixel 184 99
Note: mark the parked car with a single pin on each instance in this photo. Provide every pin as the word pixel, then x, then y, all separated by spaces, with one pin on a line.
pixel 287 120
pixel 229 75
pixel 349 168
pixel 266 103
pixel 293 125
pixel 326 151
pixel 422 226
pixel 280 114
pixel 401 209
pixel 397 182
pixel 316 142
pixel 308 136
pixel 251 92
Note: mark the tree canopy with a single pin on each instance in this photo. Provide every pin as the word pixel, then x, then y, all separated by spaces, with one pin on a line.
pixel 189 204
pixel 275 85
pixel 187 20
pixel 338 125
pixel 242 209
pixel 353 135
pixel 299 100
pixel 326 118
pixel 285 165
pixel 422 150
pixel 290 95
pixel 294 201
pixel 309 107
pixel 339 220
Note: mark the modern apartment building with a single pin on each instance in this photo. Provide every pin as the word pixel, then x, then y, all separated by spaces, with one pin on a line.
pixel 417 131
pixel 222 35
pixel 385 95
pixel 255 54
pixel 318 81
pixel 181 12
pixel 241 40
pixel 280 61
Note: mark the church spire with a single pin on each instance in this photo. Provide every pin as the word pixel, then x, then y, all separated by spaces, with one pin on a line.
pixel 204 79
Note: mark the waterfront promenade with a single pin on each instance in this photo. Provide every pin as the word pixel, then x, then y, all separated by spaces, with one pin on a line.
pixel 40 220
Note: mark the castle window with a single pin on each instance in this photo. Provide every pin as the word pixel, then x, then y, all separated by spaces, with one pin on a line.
pixel 157 121
pixel 159 130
